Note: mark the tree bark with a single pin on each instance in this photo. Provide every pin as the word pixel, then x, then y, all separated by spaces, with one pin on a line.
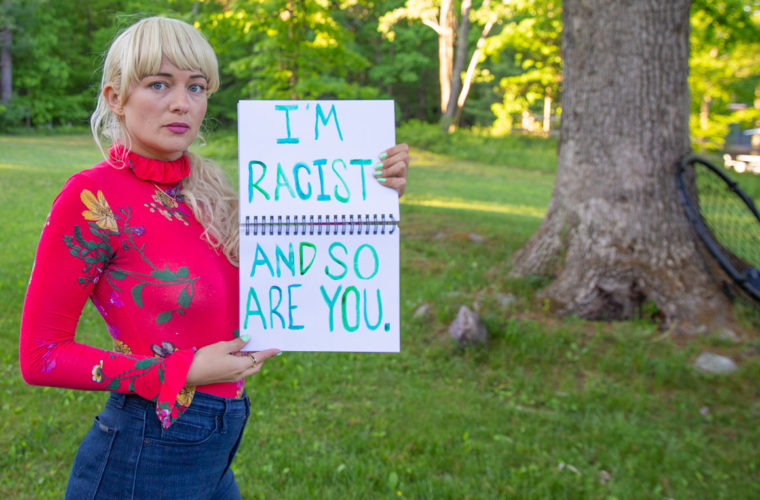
pixel 615 234
pixel 463 32
pixel 452 116
pixel 446 35
pixel 6 59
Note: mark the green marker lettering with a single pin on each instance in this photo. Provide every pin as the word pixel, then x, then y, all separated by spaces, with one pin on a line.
pixel 301 246
pixel 379 311
pixel 374 258
pixel 289 261
pixel 257 312
pixel 344 300
pixel 260 259
pixel 330 303
pixel 282 181
pixel 320 116
pixel 361 164
pixel 252 185
pixel 338 196
pixel 337 244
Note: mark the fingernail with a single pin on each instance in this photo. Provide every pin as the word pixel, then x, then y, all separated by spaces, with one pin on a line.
pixel 378 165
pixel 383 155
pixel 279 354
pixel 378 173
pixel 381 179
pixel 245 337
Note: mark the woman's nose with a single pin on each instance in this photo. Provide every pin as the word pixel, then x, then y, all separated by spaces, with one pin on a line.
pixel 179 101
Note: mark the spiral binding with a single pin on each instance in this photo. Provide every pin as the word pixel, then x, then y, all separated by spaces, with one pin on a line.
pixel 287 225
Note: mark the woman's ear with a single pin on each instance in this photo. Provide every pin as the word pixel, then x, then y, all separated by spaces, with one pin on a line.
pixel 113 99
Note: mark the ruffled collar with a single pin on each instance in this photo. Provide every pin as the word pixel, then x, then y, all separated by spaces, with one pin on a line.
pixel 147 169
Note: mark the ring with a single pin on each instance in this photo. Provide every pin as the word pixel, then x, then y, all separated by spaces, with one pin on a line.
pixel 253 358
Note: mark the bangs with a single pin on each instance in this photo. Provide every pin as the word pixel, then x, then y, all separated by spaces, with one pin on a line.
pixel 156 38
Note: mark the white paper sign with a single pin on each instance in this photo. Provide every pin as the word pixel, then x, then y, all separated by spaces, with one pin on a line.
pixel 313 157
pixel 319 250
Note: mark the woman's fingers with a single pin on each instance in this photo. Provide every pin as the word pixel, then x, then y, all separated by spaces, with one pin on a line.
pixel 256 359
pixel 393 169
pixel 224 362
pixel 397 183
pixel 264 355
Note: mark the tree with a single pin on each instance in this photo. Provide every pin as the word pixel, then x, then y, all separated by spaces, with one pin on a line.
pixel 6 60
pixel 402 68
pixel 440 15
pixel 724 67
pixel 615 236
pixel 290 49
pixel 460 88
pixel 533 34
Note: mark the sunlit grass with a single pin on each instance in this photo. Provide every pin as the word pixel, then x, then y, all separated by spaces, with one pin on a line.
pixel 552 408
pixel 496 208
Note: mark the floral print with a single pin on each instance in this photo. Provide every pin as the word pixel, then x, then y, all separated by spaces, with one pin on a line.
pixel 98 210
pixel 104 234
pixel 97 372
pixel 119 346
pixel 98 254
pixel 240 388
pixel 140 367
pixel 166 204
pixel 95 254
pixel 185 396
pixel 48 357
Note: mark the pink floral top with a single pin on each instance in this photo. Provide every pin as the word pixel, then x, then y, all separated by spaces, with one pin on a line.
pixel 120 234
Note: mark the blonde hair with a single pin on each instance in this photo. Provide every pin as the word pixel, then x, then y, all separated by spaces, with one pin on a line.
pixel 136 53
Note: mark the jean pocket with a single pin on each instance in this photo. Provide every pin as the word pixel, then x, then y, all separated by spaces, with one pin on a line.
pixel 189 430
pixel 91 460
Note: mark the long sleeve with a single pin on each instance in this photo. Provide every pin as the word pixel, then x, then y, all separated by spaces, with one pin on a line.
pixel 78 253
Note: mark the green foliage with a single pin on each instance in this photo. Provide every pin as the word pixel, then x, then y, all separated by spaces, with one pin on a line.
pixel 343 49
pixel 724 68
pixel 553 408
pixel 292 50
pixel 521 151
pixel 533 37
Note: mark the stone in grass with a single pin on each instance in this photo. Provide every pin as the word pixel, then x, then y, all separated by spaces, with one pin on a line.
pixel 715 363
pixel 476 238
pixel 505 299
pixel 422 311
pixel 468 329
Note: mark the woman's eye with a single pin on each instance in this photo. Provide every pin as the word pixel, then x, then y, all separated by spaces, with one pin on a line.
pixel 158 85
pixel 197 88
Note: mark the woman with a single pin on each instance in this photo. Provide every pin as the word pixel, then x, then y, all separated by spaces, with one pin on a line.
pixel 150 235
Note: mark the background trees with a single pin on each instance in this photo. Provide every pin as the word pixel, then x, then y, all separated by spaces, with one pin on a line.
pixel 494 64
pixel 724 69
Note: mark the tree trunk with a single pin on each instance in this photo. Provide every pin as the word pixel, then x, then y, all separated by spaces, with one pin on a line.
pixel 474 60
pixel 704 118
pixel 463 31
pixel 615 234
pixel 6 60
pixel 446 35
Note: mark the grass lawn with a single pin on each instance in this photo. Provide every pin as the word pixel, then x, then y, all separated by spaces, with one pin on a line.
pixel 552 408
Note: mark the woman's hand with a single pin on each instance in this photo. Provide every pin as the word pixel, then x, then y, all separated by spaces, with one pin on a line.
pixel 393 168
pixel 223 362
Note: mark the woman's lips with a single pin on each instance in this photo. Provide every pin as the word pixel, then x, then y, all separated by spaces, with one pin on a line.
pixel 178 128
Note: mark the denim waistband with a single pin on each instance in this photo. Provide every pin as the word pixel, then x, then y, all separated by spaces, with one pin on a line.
pixel 208 404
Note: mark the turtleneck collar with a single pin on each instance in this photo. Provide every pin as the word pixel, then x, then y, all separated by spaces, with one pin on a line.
pixel 164 172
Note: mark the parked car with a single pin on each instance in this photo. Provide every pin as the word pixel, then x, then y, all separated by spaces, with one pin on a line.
pixel 743 150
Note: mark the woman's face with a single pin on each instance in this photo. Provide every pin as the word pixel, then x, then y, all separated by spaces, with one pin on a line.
pixel 163 112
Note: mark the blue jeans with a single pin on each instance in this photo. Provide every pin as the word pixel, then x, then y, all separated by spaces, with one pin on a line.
pixel 127 454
